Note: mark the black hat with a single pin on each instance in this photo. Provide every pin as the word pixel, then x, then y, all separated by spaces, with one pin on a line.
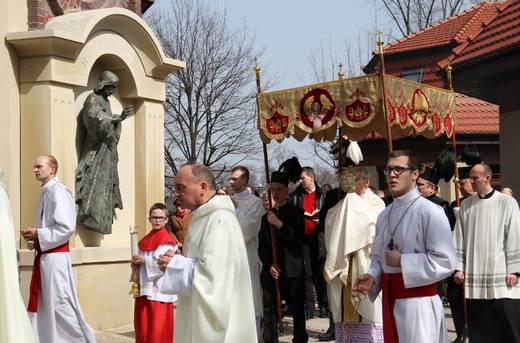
pixel 471 156
pixel 280 177
pixel 464 172
pixel 292 169
pixel 429 173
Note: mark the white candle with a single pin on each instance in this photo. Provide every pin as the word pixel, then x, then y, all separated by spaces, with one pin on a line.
pixel 135 249
pixel 133 240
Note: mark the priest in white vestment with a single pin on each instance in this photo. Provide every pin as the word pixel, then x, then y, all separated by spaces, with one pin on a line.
pixel 349 233
pixel 249 210
pixel 487 239
pixel 211 278
pixel 14 322
pixel 412 251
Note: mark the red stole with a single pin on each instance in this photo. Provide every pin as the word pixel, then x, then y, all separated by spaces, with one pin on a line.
pixel 393 288
pixel 34 288
pixel 155 238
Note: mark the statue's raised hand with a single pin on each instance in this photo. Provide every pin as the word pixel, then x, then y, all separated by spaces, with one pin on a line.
pixel 128 111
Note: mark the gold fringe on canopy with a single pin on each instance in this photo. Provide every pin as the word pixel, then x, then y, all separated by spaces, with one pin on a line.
pixel 356 104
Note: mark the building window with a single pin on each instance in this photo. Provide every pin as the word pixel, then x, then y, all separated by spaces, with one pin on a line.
pixel 415 74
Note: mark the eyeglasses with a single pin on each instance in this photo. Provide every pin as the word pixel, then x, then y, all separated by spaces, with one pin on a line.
pixel 157 219
pixel 397 170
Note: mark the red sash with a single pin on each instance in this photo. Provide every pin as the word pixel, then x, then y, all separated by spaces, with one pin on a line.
pixel 34 288
pixel 393 288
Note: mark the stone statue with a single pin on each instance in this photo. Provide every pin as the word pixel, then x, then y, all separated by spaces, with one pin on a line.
pixel 97 180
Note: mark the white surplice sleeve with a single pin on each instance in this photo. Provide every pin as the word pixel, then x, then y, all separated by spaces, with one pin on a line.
pixel 433 257
pixel 178 277
pixel 150 260
pixel 251 220
pixel 59 218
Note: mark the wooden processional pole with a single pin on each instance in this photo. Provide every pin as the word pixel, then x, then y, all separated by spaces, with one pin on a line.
pixel 455 182
pixel 268 188
pixel 453 139
pixel 383 85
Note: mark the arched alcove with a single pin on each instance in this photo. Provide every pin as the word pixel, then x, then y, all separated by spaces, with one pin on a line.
pixel 58 67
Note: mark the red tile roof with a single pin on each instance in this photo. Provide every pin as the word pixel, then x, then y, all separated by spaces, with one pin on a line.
pixel 500 33
pixel 475 116
pixel 450 32
pixel 480 30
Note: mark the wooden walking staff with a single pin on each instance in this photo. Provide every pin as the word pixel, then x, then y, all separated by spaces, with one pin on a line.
pixel 268 188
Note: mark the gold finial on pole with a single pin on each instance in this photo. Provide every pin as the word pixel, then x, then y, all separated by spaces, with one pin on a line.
pixel 448 75
pixel 257 73
pixel 340 73
pixel 380 41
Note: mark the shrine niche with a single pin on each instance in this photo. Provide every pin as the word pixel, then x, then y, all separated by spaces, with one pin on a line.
pixel 58 68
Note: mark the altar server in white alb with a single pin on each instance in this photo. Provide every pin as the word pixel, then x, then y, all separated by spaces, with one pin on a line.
pixel 53 307
pixel 487 239
pixel 14 322
pixel 211 278
pixel 412 251
pixel 249 210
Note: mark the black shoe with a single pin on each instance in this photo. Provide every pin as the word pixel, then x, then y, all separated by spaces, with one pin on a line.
pixel 325 337
pixel 309 314
pixel 323 313
pixel 460 339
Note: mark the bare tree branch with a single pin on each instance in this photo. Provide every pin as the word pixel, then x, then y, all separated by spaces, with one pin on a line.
pixel 210 109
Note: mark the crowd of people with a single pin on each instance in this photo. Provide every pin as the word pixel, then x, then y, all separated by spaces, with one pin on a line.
pixel 367 262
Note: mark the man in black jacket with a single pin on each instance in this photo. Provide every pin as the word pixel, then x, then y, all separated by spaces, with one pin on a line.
pixel 288 227
pixel 310 198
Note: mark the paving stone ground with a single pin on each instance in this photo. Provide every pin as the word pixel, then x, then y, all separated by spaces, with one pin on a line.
pixel 315 326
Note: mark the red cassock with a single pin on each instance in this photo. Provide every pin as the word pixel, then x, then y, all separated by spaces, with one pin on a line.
pixel 153 320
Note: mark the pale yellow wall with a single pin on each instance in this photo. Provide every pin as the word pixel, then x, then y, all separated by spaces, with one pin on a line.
pixel 13 17
pixel 58 69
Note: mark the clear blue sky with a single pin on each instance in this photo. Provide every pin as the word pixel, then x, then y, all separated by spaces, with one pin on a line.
pixel 289 30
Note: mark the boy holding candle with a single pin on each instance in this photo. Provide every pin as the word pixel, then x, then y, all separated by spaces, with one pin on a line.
pixel 153 311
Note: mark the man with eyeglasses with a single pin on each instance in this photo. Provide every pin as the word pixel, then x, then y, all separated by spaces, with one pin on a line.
pixel 150 303
pixel 211 277
pixel 427 186
pixel 249 210
pixel 412 251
